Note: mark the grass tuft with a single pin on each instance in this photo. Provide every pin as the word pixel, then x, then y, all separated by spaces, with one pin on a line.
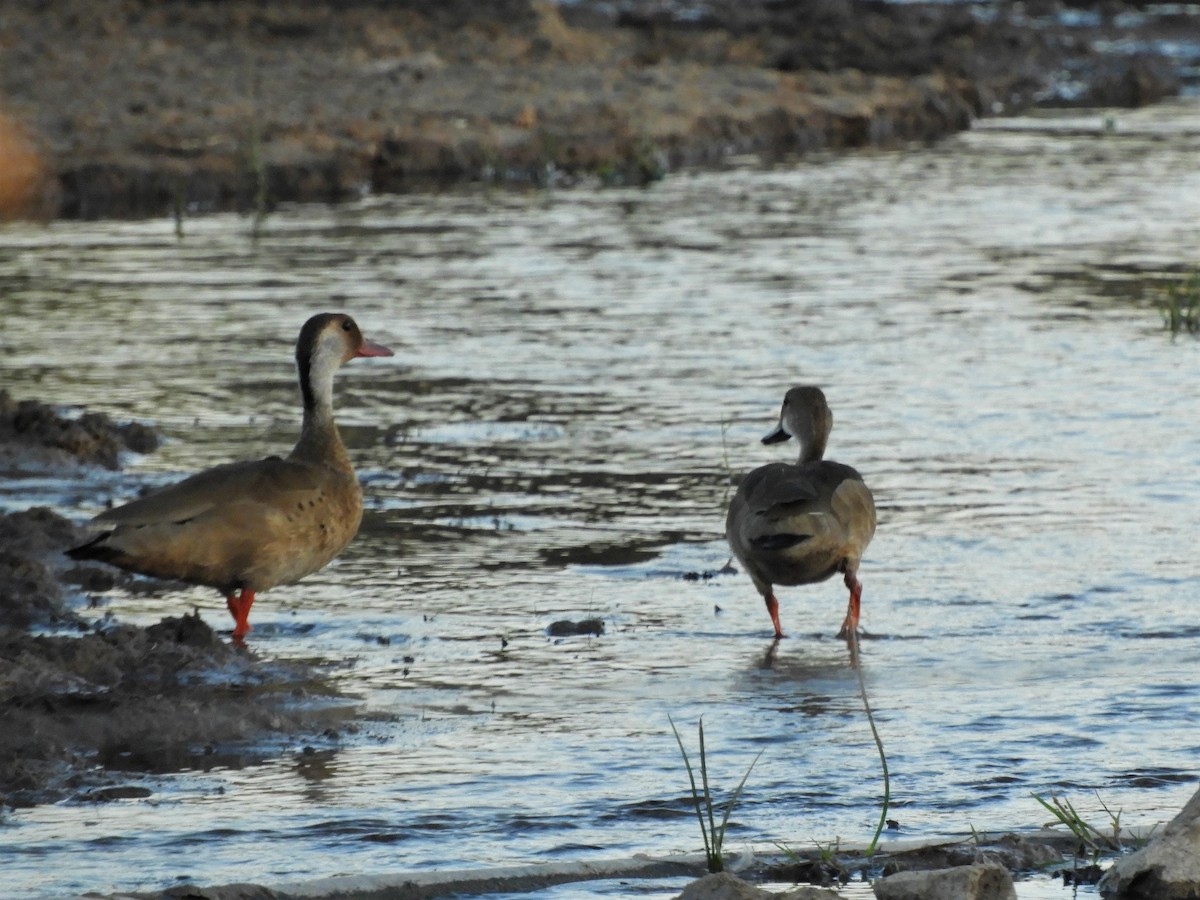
pixel 1091 838
pixel 1180 305
pixel 712 833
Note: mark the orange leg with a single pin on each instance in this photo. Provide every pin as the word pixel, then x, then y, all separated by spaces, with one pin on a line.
pixel 239 607
pixel 850 623
pixel 773 609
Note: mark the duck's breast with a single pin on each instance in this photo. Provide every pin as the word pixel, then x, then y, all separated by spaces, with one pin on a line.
pixel 313 531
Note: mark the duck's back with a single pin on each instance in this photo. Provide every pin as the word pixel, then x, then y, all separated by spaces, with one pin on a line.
pixel 796 524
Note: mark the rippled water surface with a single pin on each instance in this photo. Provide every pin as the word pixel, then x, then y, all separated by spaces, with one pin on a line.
pixel 577 374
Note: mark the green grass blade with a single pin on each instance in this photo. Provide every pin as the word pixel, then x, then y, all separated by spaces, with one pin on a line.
pixel 737 793
pixel 712 825
pixel 695 793
pixel 887 778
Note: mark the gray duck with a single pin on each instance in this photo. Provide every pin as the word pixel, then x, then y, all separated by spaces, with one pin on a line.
pixel 801 523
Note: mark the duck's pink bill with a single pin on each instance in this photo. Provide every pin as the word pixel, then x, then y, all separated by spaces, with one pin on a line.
pixel 370 348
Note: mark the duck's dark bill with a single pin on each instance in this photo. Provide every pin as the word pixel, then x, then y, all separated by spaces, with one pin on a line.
pixel 776 436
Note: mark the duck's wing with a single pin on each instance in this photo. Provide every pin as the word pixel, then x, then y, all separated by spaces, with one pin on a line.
pixel 244 525
pixel 780 506
pixel 773 490
pixel 853 505
pixel 763 509
pixel 271 482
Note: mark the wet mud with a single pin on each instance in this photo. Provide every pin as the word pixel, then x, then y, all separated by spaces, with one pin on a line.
pixel 240 105
pixel 87 707
pixel 1024 856
pixel 35 437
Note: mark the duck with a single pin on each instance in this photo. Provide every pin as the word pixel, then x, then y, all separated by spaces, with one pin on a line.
pixel 245 527
pixel 792 524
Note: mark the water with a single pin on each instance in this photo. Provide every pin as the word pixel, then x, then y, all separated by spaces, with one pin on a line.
pixel 573 370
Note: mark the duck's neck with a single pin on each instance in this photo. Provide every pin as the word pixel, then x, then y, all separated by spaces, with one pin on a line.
pixel 812 431
pixel 319 440
pixel 812 447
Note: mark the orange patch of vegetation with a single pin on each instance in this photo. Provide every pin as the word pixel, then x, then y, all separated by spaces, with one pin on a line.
pixel 26 185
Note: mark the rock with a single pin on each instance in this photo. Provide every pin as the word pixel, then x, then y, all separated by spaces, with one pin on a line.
pixel 1017 853
pixel 807 892
pixel 117 792
pixel 568 628
pixel 139 699
pixel 1013 852
pixel 726 886
pixel 978 882
pixel 188 630
pixel 1168 868
pixel 722 886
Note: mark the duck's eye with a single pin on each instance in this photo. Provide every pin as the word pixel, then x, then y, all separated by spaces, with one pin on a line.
pixel 346 325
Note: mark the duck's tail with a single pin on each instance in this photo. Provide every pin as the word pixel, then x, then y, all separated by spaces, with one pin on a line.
pixel 96 549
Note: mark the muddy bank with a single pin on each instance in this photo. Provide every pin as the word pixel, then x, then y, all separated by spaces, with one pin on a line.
pixel 88 707
pixel 36 437
pixel 87 714
pixel 1033 855
pixel 238 105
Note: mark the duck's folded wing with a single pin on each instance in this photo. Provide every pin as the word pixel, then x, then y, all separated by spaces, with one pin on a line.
pixel 854 506
pixel 785 506
pixel 775 490
pixel 271 482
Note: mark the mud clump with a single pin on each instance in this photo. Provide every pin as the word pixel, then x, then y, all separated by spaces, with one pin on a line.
pixel 31 572
pixel 34 437
pixel 131 700
pixel 571 628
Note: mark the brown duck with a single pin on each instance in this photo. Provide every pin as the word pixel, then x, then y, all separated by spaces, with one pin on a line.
pixel 245 527
pixel 799 524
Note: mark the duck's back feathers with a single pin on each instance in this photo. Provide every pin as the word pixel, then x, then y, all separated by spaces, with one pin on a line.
pixel 795 524
pixel 273 481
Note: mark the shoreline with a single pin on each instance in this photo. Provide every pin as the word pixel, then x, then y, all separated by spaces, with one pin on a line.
pixel 190 108
pixel 1022 853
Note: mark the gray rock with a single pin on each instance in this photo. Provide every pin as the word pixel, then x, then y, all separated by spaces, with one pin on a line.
pixel 1168 868
pixel 722 886
pixel 1017 853
pixel 977 882
pixel 725 886
pixel 807 892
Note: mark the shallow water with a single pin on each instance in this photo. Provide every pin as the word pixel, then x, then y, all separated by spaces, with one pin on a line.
pixel 576 374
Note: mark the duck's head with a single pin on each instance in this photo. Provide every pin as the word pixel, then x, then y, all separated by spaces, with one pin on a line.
pixel 326 341
pixel 805 416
